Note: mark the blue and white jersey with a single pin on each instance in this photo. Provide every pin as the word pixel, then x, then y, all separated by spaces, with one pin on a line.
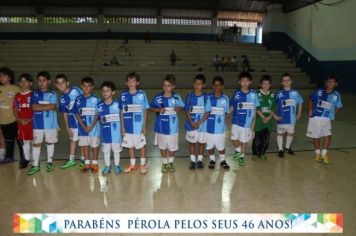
pixel 44 119
pixel 133 107
pixel 287 103
pixel 325 104
pixel 216 119
pixel 197 106
pixel 167 123
pixel 87 108
pixel 109 116
pixel 244 105
pixel 66 104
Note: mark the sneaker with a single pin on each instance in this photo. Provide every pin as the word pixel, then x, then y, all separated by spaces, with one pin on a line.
pixel 200 165
pixel 280 154
pixel 255 158
pixel 130 168
pixel 50 166
pixel 7 160
pixel 326 159
pixel 193 165
pixel 212 164
pixel 117 169
pixel 237 156
pixel 81 165
pixel 86 168
pixel 143 169
pixel 290 151
pixel 68 164
pixel 164 168
pixel 171 167
pixel 224 165
pixel 106 170
pixel 24 164
pixel 33 170
pixel 94 168
pixel 318 158
pixel 264 157
pixel 242 161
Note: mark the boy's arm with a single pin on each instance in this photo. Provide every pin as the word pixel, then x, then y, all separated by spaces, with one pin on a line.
pixel 65 117
pixel 205 116
pixel 44 107
pixel 299 111
pixel 253 121
pixel 192 123
pixel 144 128
pixel 91 126
pixel 79 119
pixel 310 107
pixel 123 131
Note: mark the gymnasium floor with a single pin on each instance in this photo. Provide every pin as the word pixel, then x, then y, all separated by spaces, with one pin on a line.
pixel 294 184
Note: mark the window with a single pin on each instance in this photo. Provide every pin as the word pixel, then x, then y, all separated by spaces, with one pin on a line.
pixel 130 20
pixel 186 21
pixel 18 19
pixel 230 23
pixel 70 20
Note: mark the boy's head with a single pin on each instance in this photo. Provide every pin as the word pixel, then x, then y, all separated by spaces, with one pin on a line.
pixel 25 81
pixel 87 85
pixel 7 76
pixel 107 89
pixel 265 82
pixel 218 84
pixel 331 82
pixel 245 80
pixel 199 82
pixel 286 80
pixel 169 83
pixel 44 80
pixel 62 82
pixel 132 81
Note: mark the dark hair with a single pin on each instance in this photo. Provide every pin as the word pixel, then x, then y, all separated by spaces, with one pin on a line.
pixel 170 78
pixel 266 78
pixel 200 77
pixel 108 84
pixel 286 75
pixel 61 76
pixel 332 77
pixel 245 74
pixel 9 72
pixel 218 79
pixel 27 77
pixel 88 80
pixel 45 74
pixel 133 75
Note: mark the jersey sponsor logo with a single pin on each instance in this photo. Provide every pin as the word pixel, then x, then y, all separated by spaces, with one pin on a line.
pixel 246 105
pixel 43 102
pixel 10 94
pixel 132 108
pixel 288 103
pixel 110 118
pixel 325 105
pixel 197 109
pixel 169 111
pixel 217 111
pixel 87 111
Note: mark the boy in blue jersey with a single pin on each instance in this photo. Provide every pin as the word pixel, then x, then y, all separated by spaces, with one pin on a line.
pixel 243 108
pixel 216 125
pixel 134 105
pixel 45 124
pixel 195 125
pixel 166 104
pixel 109 115
pixel 66 105
pixel 323 105
pixel 289 108
pixel 86 110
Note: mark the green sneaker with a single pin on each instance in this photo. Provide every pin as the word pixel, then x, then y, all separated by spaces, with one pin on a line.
pixel 237 156
pixel 68 164
pixel 81 165
pixel 242 161
pixel 171 167
pixel 264 157
pixel 33 170
pixel 255 158
pixel 164 168
pixel 50 166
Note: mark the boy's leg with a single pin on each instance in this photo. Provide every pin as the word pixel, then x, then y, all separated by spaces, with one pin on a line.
pixel 50 153
pixel 71 162
pixel 265 145
pixel 23 162
pixel 106 149
pixel 256 145
pixel 94 166
pixel 192 152
pixel 10 132
pixel 201 147
pixel 223 162
pixel 326 145
pixel 164 153
pixel 289 140
pixel 26 149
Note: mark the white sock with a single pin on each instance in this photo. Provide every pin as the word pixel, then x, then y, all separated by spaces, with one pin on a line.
pixel 82 158
pixel 324 151
pixel 133 161
pixel 143 161
pixel 238 149
pixel 200 157
pixel 50 152
pixel 71 157
pixel 107 158
pixel 164 160
pixel 193 158
pixel 87 162
pixel 212 157
pixel 280 142
pixel 117 158
pixel 289 140
pixel 242 155
pixel 26 150
pixel 36 151
pixel 222 157
pixel 317 151
pixel 94 162
pixel 170 159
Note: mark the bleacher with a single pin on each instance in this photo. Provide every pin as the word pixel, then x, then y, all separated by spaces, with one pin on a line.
pixel 78 58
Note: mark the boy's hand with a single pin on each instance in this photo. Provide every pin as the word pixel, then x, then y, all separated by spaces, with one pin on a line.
pixel 70 132
pixel 123 132
pixel 86 129
pixel 194 125
pixel 144 131
pixel 24 121
pixel 162 110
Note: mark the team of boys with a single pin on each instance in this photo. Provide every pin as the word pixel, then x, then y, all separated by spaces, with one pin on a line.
pixel 122 122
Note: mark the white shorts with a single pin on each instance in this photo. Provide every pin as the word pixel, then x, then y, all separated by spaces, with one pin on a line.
pixel 167 142
pixel 195 136
pixel 75 136
pixel 114 147
pixel 92 141
pixel 281 129
pixel 241 134
pixel 136 141
pixel 319 127
pixel 215 141
pixel 49 135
